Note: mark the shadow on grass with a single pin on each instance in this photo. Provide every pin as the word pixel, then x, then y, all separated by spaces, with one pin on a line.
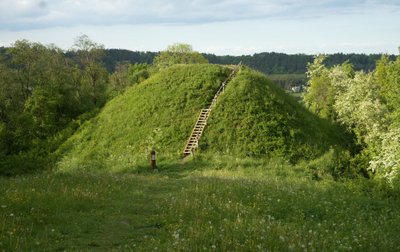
pixel 221 164
pixel 175 169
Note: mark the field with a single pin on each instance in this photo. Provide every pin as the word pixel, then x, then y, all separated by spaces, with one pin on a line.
pixel 206 204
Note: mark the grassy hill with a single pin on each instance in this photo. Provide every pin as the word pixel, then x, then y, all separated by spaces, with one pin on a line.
pixel 158 113
pixel 253 117
pixel 222 200
pixel 256 118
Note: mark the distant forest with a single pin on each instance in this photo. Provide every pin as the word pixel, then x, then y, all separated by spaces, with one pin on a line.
pixel 268 63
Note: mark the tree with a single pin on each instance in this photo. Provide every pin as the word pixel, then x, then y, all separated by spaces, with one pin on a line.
pixel 387 76
pixel 320 94
pixel 94 75
pixel 368 104
pixel 178 54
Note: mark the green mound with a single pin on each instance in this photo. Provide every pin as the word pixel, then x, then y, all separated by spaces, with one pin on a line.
pixel 252 117
pixel 158 113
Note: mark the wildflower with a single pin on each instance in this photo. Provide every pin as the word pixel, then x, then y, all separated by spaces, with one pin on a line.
pixel 11 215
pixel 3 206
pixel 213 246
pixel 176 235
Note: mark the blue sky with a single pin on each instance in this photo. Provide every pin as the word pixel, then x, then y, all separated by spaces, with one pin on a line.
pixel 222 27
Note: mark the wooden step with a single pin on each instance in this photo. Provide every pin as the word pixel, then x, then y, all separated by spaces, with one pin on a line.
pixel 201 122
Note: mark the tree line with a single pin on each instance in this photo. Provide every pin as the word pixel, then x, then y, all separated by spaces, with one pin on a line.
pixel 368 105
pixel 268 62
pixel 284 69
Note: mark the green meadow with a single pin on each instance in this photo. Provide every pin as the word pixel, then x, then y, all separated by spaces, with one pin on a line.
pixel 228 205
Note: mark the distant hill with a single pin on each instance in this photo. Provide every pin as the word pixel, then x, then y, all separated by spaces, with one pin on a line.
pixel 253 117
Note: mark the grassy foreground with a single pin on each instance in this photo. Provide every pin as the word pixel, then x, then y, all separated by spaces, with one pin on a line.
pixel 234 205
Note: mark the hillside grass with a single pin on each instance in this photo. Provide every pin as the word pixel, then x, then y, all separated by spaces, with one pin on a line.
pixel 227 205
pixel 156 114
pixel 256 118
pixel 252 118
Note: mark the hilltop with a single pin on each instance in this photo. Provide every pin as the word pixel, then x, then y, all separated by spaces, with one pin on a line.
pixel 253 117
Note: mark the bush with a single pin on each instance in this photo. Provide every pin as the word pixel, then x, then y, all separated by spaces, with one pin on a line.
pixel 334 163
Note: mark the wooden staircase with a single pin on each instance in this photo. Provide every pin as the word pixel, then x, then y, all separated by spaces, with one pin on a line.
pixel 198 129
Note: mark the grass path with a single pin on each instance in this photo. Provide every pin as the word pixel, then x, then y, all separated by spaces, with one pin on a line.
pixel 241 209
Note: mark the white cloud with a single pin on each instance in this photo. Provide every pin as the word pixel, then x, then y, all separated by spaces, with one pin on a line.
pixel 30 14
pixel 221 27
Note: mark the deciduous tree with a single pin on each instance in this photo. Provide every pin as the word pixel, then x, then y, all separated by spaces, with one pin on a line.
pixel 178 54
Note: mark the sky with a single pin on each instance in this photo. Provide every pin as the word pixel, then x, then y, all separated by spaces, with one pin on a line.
pixel 222 27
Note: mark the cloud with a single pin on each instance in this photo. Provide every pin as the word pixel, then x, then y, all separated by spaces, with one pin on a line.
pixel 33 14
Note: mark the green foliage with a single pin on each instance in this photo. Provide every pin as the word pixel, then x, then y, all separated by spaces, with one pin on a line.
pixel 41 92
pixel 368 105
pixel 266 62
pixel 178 54
pixel 387 76
pixel 127 75
pixel 113 57
pixel 334 163
pixel 140 72
pixel 43 106
pixel 119 80
pixel 287 81
pixel 320 93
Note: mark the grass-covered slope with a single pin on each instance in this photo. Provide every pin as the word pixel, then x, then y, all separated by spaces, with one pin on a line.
pixel 254 117
pixel 158 113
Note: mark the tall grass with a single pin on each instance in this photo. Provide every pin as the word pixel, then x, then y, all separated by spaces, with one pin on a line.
pixel 231 205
